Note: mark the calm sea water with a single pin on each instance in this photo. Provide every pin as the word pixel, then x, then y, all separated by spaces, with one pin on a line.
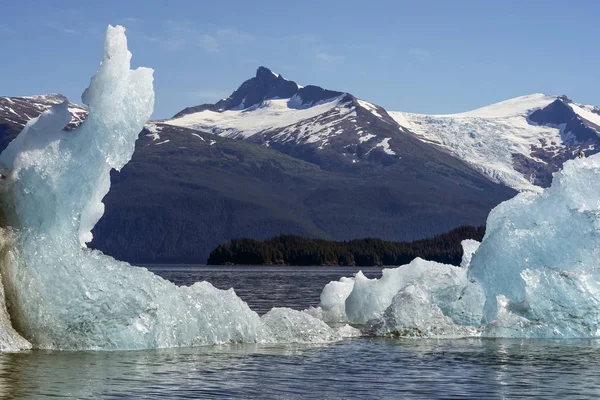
pixel 357 368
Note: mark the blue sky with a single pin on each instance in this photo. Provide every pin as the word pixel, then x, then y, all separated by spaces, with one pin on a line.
pixel 419 56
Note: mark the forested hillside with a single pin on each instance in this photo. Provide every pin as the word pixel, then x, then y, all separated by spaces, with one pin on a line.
pixel 295 250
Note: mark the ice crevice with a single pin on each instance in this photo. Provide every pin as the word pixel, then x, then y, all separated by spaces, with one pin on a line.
pixel 534 274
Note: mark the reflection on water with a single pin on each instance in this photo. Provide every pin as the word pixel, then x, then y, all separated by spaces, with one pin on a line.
pixel 360 368
pixel 265 287
pixel 357 368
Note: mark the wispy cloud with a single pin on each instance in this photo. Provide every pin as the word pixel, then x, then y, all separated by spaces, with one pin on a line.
pixel 209 94
pixel 302 38
pixel 222 38
pixel 6 29
pixel 209 43
pixel 166 43
pixel 61 28
pixel 132 19
pixel 329 59
pixel 179 35
pixel 419 54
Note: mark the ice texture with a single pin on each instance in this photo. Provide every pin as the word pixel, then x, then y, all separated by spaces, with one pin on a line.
pixel 370 298
pixel 469 247
pixel 10 340
pixel 333 300
pixel 535 274
pixel 410 300
pixel 414 311
pixel 62 295
pixel 553 233
pixel 287 325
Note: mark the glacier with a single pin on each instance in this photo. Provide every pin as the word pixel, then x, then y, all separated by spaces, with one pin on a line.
pixel 535 273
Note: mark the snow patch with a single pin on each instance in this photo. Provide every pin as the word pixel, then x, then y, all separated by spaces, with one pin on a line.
pixel 586 113
pixel 488 138
pixel 271 115
pixel 518 106
pixel 154 131
pixel 385 145
pixel 371 107
pixel 366 137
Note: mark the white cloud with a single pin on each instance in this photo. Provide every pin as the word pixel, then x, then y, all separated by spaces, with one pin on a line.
pixel 327 58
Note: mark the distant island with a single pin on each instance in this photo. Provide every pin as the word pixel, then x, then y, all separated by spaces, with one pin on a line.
pixel 296 250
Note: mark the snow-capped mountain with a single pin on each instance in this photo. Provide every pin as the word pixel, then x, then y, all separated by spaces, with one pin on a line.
pixel 518 142
pixel 276 157
pixel 15 112
pixel 185 191
pixel 273 111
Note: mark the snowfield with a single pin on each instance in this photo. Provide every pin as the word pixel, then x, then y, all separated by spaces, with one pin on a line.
pixel 267 116
pixel 488 137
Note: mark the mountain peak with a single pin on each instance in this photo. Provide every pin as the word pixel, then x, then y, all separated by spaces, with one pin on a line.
pixel 266 85
pixel 564 98
pixel 266 73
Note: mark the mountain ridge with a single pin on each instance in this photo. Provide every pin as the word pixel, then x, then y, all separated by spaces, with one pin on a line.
pixel 518 142
pixel 187 190
pixel 265 85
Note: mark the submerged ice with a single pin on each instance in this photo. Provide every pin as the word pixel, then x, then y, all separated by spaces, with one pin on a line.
pixel 535 274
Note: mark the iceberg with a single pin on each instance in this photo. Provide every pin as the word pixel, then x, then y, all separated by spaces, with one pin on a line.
pixel 422 298
pixel 62 295
pixel 535 274
pixel 556 232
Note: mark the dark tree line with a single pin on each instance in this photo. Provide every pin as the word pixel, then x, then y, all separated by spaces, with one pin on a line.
pixel 295 250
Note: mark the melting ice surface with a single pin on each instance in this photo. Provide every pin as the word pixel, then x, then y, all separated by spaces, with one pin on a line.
pixel 534 274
